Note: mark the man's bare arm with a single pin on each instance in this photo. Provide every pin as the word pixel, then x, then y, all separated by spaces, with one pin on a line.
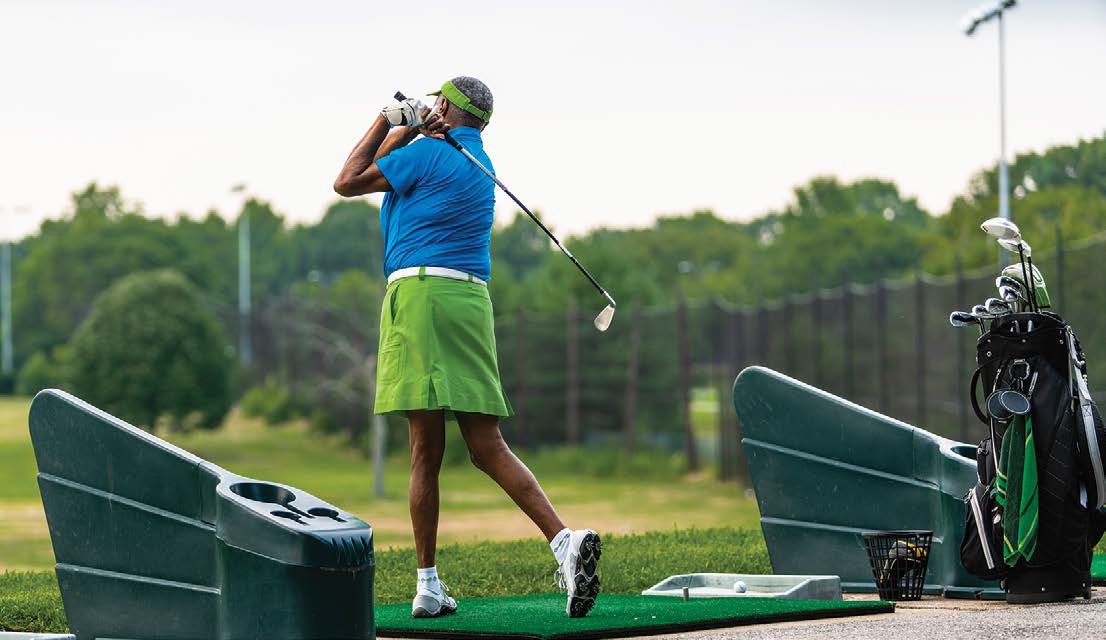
pixel 360 175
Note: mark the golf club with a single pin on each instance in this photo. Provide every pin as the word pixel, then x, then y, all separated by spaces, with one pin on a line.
pixel 1001 228
pixel 996 307
pixel 963 319
pixel 1010 238
pixel 1037 281
pixel 1013 295
pixel 603 320
pixel 1012 283
pixel 979 312
pixel 1023 250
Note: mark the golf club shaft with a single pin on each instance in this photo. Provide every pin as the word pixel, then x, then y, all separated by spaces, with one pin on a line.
pixel 463 150
pixel 1028 278
pixel 1031 286
pixel 458 146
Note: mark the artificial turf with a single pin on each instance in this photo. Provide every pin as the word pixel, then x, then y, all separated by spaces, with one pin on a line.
pixel 543 616
pixel 1098 569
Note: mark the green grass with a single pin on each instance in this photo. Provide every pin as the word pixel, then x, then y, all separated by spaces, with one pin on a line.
pixel 31 602
pixel 601 490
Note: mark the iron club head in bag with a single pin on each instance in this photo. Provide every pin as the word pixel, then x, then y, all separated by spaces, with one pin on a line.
pixel 1004 404
pixel 1010 238
pixel 1012 296
pixel 1025 252
pixel 1040 290
pixel 963 319
pixel 997 307
pixel 1010 282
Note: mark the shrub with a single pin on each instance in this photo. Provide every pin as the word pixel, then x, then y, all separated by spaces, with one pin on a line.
pixel 40 372
pixel 151 350
pixel 608 462
pixel 272 402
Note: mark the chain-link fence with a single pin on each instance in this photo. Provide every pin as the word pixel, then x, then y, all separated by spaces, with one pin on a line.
pixel 887 346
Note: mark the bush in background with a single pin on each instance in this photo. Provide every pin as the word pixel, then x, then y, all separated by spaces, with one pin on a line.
pixel 272 402
pixel 149 350
pixel 42 371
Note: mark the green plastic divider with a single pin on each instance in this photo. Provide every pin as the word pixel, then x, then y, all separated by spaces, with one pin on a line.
pixel 155 543
pixel 826 470
pixel 543 616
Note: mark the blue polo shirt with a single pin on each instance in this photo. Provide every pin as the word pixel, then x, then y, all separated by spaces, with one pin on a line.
pixel 439 212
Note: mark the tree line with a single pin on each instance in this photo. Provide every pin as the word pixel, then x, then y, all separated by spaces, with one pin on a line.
pixel 831 232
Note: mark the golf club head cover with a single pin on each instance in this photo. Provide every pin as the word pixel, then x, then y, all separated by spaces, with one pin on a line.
pixel 407 113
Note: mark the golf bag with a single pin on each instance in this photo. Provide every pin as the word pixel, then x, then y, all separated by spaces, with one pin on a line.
pixel 1038 355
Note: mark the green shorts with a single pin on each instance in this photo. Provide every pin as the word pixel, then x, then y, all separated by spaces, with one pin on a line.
pixel 437 348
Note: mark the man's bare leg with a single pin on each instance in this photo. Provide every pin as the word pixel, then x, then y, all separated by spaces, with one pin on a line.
pixel 427 429
pixel 490 453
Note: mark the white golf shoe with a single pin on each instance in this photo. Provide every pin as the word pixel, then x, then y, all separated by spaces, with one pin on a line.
pixel 579 573
pixel 432 604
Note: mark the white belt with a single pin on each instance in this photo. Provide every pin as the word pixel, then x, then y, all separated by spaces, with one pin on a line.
pixel 440 272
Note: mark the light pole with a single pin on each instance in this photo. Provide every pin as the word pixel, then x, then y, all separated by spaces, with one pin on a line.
pixel 6 357
pixel 245 352
pixel 970 23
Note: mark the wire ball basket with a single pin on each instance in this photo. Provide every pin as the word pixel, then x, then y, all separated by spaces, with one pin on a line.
pixel 899 560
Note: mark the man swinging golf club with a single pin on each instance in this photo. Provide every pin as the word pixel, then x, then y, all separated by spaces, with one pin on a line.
pixel 437 342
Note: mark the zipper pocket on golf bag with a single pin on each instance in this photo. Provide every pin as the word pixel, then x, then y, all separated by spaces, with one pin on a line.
pixel 981 549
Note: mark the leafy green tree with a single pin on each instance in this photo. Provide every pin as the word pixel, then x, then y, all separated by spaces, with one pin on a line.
pixel 1078 211
pixel 75 258
pixel 348 237
pixel 271 255
pixel 1081 164
pixel 826 196
pixel 520 247
pixel 42 371
pixel 833 233
pixel 149 350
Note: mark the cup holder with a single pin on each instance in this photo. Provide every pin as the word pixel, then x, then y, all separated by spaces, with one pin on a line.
pixel 323 512
pixel 288 515
pixel 965 450
pixel 269 493
pixel 263 492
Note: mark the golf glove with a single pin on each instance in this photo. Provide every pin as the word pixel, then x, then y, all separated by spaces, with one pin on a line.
pixel 408 113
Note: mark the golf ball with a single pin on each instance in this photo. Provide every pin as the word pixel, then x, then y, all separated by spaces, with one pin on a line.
pixel 740 586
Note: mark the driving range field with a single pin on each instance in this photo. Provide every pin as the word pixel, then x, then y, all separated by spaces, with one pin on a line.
pixel 655 525
pixel 474 509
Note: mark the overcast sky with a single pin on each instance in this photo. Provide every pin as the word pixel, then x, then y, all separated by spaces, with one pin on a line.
pixel 606 113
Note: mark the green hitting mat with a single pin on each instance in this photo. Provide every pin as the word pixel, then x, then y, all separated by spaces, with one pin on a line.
pixel 1098 569
pixel 543 616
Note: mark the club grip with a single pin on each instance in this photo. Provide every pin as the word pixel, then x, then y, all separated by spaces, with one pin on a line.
pixel 399 96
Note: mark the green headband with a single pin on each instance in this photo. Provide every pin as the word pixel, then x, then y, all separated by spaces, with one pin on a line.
pixel 454 95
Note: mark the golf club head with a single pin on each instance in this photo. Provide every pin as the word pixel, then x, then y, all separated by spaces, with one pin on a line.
pixel 962 319
pixel 996 307
pixel 1014 272
pixel 1014 246
pixel 1012 296
pixel 1001 228
pixel 1011 283
pixel 980 311
pixel 1007 403
pixel 603 320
